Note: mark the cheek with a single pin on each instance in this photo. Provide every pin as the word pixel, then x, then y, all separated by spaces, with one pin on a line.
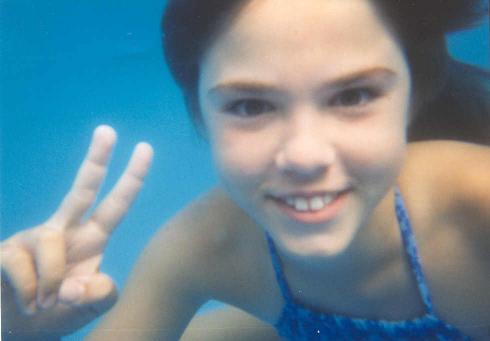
pixel 240 155
pixel 376 151
pixel 381 164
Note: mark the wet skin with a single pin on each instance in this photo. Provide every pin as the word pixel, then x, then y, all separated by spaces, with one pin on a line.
pixel 311 102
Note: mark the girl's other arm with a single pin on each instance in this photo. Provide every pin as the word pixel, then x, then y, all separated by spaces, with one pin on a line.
pixel 228 323
pixel 173 278
pixel 162 294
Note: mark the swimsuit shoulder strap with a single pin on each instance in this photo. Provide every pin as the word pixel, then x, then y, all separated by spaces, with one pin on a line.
pixel 411 250
pixel 276 263
pixel 409 245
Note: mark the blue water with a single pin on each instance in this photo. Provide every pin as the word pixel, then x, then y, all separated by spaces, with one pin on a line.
pixel 68 66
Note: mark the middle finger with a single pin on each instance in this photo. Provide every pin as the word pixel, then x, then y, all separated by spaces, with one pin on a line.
pixel 116 204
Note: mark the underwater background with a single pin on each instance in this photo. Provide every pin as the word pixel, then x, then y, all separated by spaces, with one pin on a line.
pixel 68 66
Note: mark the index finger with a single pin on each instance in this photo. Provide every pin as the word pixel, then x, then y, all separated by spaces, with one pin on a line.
pixel 88 180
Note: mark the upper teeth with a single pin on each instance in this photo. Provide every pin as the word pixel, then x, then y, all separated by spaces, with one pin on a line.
pixel 312 204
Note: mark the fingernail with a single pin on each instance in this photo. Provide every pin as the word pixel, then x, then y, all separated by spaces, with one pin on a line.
pixel 71 292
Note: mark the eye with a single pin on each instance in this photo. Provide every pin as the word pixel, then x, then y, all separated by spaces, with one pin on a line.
pixel 249 107
pixel 354 97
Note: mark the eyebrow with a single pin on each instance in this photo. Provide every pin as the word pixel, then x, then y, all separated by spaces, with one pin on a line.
pixel 255 87
pixel 250 87
pixel 380 73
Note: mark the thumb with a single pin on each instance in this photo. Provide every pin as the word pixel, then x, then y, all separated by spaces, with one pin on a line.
pixel 96 293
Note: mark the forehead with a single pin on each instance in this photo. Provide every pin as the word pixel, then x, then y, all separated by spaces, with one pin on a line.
pixel 336 34
pixel 297 18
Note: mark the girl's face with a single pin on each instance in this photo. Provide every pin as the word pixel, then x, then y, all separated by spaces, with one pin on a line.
pixel 305 104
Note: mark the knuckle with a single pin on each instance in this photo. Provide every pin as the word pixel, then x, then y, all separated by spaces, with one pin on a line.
pixel 19 271
pixel 49 235
pixel 83 196
pixel 119 201
pixel 28 289
pixel 135 179
pixel 96 166
pixel 14 256
pixel 18 237
pixel 109 208
pixel 52 279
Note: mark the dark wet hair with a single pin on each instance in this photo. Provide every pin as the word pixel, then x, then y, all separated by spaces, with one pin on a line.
pixel 450 100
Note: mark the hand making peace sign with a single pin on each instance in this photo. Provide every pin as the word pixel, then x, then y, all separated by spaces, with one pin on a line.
pixel 51 282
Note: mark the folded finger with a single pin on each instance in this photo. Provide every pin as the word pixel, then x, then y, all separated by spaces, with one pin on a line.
pixel 50 263
pixel 116 204
pixel 20 272
pixel 88 180
pixel 96 292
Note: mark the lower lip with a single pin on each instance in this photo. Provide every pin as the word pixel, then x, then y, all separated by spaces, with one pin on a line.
pixel 323 215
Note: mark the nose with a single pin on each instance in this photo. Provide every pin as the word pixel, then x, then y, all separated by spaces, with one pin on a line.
pixel 306 152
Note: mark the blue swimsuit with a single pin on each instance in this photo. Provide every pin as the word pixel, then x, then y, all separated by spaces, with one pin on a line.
pixel 300 323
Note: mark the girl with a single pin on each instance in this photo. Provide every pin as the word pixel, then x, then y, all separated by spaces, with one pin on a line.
pixel 327 225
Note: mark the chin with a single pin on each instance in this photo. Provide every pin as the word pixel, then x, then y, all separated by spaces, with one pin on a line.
pixel 314 243
pixel 320 245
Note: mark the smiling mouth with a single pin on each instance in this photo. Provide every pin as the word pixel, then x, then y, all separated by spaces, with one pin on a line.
pixel 308 202
pixel 314 208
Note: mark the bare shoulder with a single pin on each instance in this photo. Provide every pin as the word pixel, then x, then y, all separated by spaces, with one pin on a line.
pixel 453 158
pixel 456 173
pixel 454 177
pixel 448 187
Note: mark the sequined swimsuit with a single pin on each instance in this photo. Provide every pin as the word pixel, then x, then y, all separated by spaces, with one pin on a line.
pixel 300 323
